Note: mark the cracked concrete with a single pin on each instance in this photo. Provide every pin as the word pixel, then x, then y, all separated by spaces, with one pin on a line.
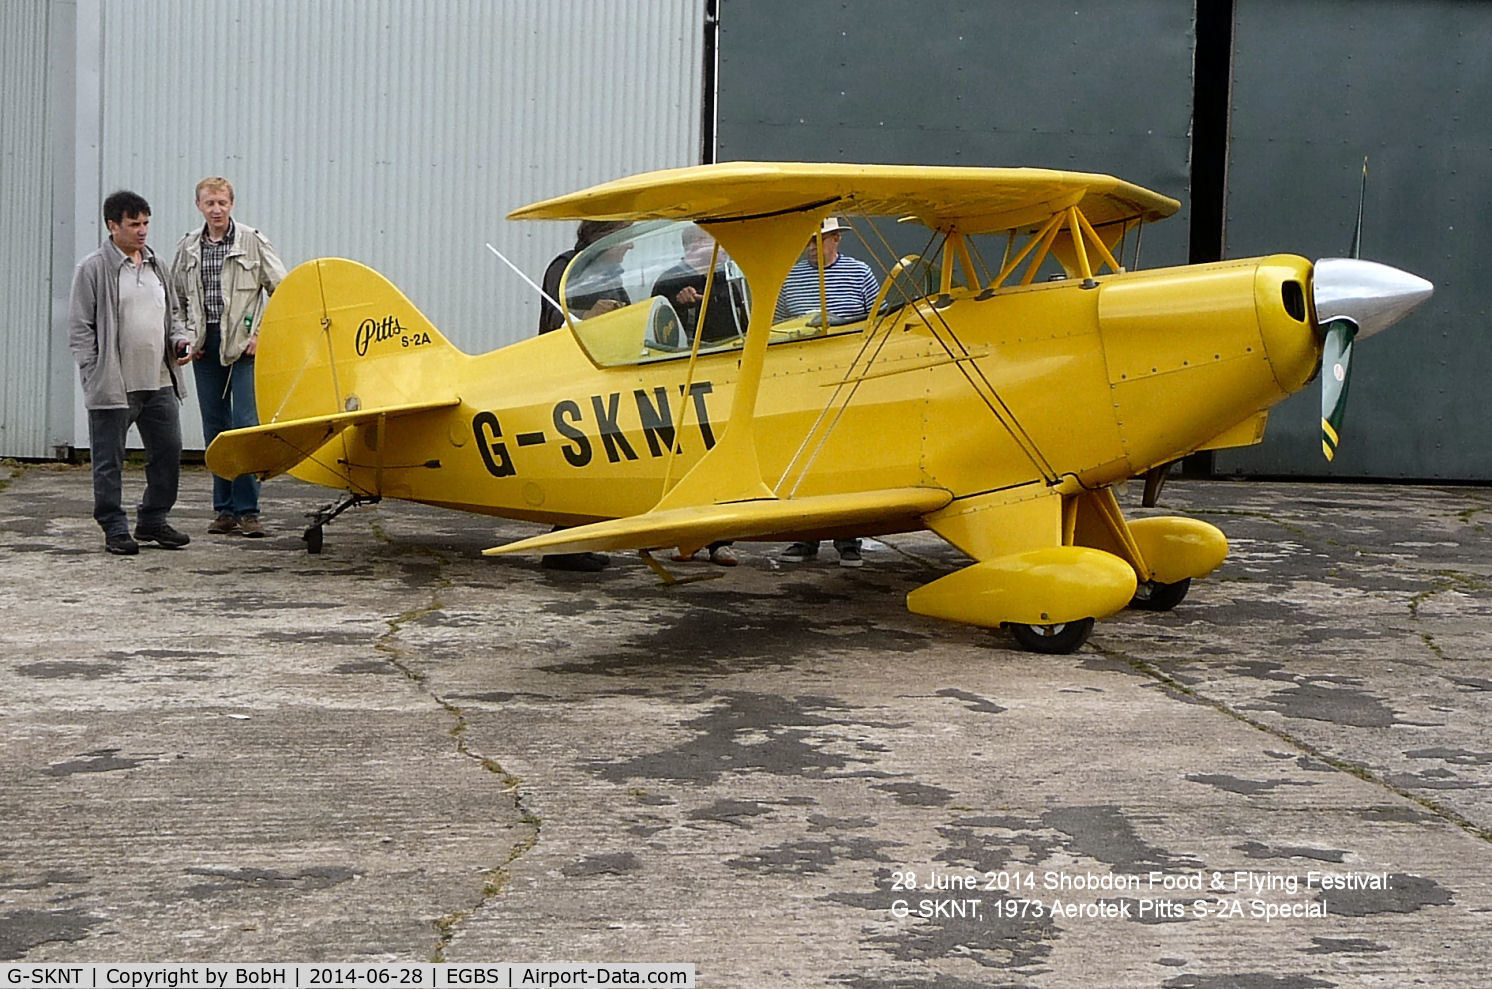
pixel 402 750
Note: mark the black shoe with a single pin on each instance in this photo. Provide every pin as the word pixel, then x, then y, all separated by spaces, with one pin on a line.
pixel 120 544
pixel 579 562
pixel 163 535
pixel 800 552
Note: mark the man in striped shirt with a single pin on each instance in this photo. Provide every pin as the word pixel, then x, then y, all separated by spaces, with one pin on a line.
pixel 849 291
pixel 850 287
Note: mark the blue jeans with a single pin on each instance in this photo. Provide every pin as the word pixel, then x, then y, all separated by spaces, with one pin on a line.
pixel 158 414
pixel 226 397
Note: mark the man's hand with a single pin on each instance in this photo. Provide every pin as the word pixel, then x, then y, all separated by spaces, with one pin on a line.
pixel 604 306
pixel 688 295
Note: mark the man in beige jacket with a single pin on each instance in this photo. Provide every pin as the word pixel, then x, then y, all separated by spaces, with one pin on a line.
pixel 224 273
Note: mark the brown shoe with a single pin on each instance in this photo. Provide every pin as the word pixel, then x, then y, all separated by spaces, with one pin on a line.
pixel 223 525
pixel 250 527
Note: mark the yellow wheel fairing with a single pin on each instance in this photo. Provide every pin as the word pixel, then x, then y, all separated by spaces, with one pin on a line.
pixel 1176 549
pixel 1036 587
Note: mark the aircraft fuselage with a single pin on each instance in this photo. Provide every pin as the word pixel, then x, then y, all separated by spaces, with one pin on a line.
pixel 1049 384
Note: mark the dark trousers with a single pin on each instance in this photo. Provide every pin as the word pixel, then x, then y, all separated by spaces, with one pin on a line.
pixel 226 397
pixel 158 415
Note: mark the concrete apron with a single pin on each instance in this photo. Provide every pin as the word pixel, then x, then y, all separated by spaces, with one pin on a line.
pixel 401 750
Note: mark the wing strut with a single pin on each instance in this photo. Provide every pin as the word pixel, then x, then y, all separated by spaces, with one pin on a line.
pixel 699 333
pixel 765 247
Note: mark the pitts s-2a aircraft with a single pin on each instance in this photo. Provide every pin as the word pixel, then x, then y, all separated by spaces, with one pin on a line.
pixel 992 406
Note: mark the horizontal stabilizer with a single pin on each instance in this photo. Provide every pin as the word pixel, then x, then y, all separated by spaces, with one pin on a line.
pixel 273 448
pixel 697 525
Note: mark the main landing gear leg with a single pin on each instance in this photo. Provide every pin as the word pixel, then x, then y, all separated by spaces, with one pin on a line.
pixel 320 517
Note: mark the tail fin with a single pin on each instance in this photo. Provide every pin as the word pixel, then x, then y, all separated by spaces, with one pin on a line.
pixel 338 345
pixel 338 337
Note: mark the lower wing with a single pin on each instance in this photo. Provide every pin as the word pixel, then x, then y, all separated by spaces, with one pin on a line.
pixel 696 525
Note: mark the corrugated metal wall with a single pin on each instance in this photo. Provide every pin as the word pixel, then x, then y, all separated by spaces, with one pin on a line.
pixel 398 133
pixel 26 340
pixel 1316 88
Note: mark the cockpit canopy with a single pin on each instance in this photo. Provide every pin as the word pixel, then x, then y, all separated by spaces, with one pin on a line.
pixel 639 294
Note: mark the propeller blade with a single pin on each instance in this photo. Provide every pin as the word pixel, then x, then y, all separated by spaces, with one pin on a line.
pixel 1362 194
pixel 1336 369
pixel 1355 298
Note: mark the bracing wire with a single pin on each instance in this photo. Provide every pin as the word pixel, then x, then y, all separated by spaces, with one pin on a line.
pixel 839 401
pixel 850 377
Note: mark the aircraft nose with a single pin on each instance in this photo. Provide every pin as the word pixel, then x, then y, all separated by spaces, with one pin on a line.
pixel 1373 296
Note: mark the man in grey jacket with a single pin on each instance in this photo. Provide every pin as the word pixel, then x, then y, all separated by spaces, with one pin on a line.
pixel 128 348
pixel 224 271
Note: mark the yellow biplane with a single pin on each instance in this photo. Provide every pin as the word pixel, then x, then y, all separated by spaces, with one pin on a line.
pixel 1009 373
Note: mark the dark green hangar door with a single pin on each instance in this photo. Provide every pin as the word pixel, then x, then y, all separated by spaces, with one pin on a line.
pixel 1317 87
pixel 1257 114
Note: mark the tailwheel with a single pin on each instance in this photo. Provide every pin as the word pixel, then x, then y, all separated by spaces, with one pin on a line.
pixel 314 536
pixel 1063 637
pixel 1153 596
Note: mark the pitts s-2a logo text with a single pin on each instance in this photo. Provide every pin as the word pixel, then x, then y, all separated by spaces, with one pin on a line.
pixel 371 331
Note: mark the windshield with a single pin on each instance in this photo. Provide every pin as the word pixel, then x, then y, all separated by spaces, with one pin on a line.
pixel 657 272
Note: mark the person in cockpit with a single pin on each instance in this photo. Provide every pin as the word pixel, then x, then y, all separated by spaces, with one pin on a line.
pixel 849 286
pixel 683 285
pixel 593 303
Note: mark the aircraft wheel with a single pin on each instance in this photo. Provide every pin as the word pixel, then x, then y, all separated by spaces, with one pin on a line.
pixel 1160 597
pixel 312 536
pixel 1061 638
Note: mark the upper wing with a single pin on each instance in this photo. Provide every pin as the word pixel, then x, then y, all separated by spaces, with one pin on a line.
pixel 974 200
pixel 697 525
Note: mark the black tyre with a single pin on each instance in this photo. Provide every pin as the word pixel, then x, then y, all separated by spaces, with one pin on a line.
pixel 312 536
pixel 1160 597
pixel 1060 638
